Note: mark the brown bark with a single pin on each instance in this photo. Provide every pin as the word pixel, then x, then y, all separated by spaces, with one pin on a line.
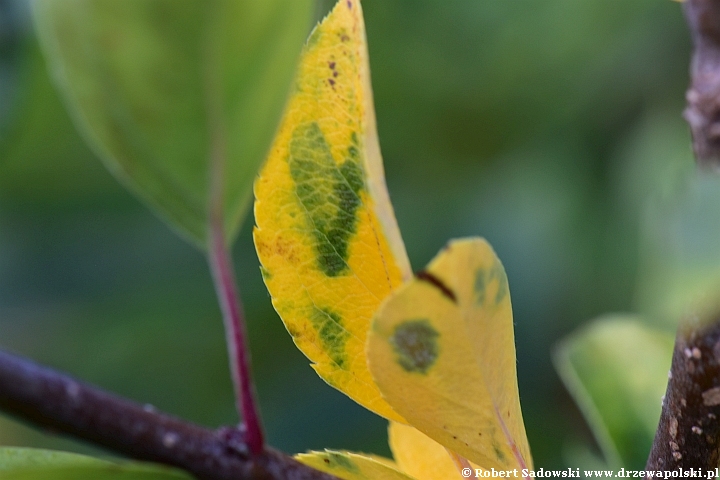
pixel 689 432
pixel 55 401
pixel 703 96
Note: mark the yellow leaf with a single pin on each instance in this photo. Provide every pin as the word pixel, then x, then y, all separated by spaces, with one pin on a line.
pixel 419 455
pixel 326 233
pixel 442 352
pixel 352 466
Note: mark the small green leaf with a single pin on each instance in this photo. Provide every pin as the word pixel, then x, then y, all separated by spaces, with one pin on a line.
pixel 106 472
pixel 14 458
pixel 176 95
pixel 617 371
pixel 33 464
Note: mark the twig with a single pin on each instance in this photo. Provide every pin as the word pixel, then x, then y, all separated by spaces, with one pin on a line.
pixel 60 403
pixel 689 432
pixel 703 96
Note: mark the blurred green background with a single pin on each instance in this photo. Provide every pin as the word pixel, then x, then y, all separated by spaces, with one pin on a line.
pixel 551 127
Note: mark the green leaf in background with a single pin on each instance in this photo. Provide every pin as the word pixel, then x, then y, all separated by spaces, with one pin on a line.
pixel 172 94
pixel 16 458
pixel 616 369
pixel 33 464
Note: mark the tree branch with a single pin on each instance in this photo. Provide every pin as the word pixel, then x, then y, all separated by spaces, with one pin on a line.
pixel 703 96
pixel 689 432
pixel 58 402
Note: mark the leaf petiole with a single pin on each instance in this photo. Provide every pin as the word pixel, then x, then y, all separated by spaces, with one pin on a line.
pixel 233 318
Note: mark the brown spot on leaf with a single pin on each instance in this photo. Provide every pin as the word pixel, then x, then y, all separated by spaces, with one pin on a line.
pixel 285 249
pixel 430 278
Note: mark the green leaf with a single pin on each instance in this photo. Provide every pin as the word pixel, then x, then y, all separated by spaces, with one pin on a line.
pixel 32 464
pixel 176 95
pixel 617 369
pixel 15 458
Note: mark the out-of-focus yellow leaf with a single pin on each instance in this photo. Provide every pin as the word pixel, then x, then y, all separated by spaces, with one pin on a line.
pixel 352 466
pixel 326 233
pixel 442 353
pixel 419 455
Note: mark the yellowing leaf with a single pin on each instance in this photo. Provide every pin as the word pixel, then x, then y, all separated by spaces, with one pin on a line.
pixel 352 466
pixel 419 455
pixel 442 352
pixel 326 234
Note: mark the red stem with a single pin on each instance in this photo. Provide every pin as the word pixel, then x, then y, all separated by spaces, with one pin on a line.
pixel 222 267
pixel 233 317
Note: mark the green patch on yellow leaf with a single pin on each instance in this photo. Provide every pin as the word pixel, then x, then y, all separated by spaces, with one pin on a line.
pixel 326 234
pixel 415 343
pixel 462 388
pixel 329 195
pixel 332 335
pixel 352 466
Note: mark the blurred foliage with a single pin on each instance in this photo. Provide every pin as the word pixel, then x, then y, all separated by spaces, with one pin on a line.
pixel 550 127
pixel 179 99
pixel 12 29
pixel 616 369
pixel 35 464
pixel 680 255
